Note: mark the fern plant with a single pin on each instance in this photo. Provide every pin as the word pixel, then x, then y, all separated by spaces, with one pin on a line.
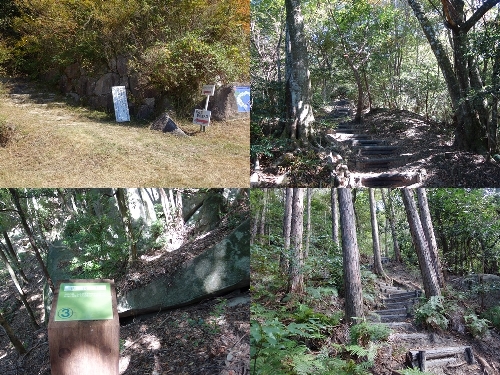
pixel 477 327
pixel 431 313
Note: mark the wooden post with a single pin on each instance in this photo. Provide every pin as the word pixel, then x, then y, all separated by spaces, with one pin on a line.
pixel 84 330
pixel 421 360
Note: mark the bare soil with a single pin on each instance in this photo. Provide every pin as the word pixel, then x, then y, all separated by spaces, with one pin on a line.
pixel 49 142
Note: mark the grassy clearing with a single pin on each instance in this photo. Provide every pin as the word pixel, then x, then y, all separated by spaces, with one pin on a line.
pixel 55 144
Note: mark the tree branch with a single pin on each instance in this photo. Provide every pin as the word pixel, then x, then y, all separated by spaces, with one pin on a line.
pixel 487 5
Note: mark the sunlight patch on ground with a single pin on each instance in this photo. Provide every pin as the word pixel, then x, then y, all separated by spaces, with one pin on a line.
pixel 151 341
pixel 124 362
pixel 3 354
pixel 150 258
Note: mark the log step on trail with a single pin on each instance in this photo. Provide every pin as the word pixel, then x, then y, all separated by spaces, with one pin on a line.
pixel 377 150
pixel 389 180
pixel 424 359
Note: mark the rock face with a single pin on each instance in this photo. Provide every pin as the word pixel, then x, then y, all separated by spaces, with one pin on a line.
pixel 224 104
pixel 223 268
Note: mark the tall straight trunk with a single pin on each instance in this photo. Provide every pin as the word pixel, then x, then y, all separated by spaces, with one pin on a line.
pixel 262 223
pixel 298 82
pixel 308 225
pixel 350 257
pixel 425 219
pixel 431 283
pixel 335 217
pixel 390 215
pixel 296 275
pixel 121 200
pixel 18 287
pixel 287 227
pixel 377 260
pixel 13 256
pixel 495 82
pixel 12 336
pixel 31 238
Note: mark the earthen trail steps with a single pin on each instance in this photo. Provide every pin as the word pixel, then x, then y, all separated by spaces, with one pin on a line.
pixel 426 351
pixel 372 155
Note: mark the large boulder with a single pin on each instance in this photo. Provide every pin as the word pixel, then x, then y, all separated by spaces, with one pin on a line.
pixel 218 270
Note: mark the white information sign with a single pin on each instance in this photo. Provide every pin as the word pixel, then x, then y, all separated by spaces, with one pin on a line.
pixel 120 103
pixel 208 90
pixel 201 117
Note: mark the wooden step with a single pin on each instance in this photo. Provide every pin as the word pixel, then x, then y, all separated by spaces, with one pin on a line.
pixel 424 359
pixel 399 305
pixel 391 312
pixel 377 163
pixel 377 150
pixel 413 293
pixel 365 142
pixel 390 180
pixel 407 326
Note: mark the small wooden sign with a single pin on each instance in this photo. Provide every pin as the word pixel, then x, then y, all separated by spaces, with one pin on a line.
pixel 84 301
pixel 208 90
pixel 120 103
pixel 201 117
pixel 84 329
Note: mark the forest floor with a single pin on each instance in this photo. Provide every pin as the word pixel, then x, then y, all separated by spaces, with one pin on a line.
pixel 46 141
pixel 211 337
pixel 425 148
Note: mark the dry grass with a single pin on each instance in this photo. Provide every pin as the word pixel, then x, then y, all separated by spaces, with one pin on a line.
pixel 58 145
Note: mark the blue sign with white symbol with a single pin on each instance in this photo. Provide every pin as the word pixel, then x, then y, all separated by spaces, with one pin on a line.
pixel 242 94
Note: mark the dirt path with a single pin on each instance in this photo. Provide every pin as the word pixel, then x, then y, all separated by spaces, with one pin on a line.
pixel 55 144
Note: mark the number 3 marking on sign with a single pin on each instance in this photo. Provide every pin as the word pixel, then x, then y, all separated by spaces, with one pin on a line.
pixel 65 313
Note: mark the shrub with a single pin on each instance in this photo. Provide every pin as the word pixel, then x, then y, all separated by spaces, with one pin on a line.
pixel 477 327
pixel 493 315
pixel 6 133
pixel 363 333
pixel 431 313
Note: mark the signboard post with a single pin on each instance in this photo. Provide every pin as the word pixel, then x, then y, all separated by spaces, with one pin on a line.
pixel 202 117
pixel 120 103
pixel 84 329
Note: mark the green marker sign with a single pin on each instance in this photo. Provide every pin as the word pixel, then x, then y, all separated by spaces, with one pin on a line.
pixel 84 301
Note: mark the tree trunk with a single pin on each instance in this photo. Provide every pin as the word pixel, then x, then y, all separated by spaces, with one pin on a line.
pixel 20 211
pixel 335 217
pixel 18 287
pixel 298 82
pixel 308 225
pixel 121 199
pixel 390 215
pixel 377 259
pixel 12 336
pixel 350 256
pixel 13 256
pixel 470 132
pixel 262 224
pixel 296 275
pixel 287 227
pixel 425 219
pixel 431 283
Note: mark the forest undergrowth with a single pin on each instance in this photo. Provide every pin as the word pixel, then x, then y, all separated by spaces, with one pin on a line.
pixel 306 333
